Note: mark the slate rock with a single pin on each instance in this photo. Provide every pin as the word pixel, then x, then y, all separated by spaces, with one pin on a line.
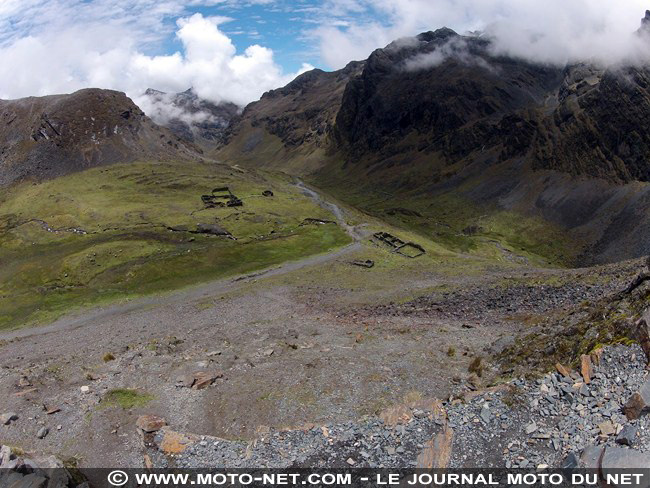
pixel 639 403
pixel 590 458
pixel 627 436
pixel 7 418
pixel 617 458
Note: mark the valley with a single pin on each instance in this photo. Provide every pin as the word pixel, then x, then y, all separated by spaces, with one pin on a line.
pixel 396 264
pixel 298 336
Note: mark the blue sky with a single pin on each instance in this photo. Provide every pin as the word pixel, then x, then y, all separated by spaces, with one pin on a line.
pixel 281 26
pixel 235 50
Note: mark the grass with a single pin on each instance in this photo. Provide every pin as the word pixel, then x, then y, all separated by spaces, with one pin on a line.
pixel 127 249
pixel 608 321
pixel 455 222
pixel 125 399
pixel 476 366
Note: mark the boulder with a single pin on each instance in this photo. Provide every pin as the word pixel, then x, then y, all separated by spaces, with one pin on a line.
pixel 617 458
pixel 150 423
pixel 639 403
pixel 7 418
pixel 571 461
pixel 33 481
pixel 590 458
pixel 627 436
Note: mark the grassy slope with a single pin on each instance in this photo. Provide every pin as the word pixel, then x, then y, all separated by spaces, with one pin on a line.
pixel 500 235
pixel 457 223
pixel 127 249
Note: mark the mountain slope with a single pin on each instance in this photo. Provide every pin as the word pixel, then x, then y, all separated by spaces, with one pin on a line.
pixel 291 123
pixel 45 137
pixel 439 134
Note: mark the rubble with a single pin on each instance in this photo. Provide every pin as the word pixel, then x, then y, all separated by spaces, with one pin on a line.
pixel 313 221
pixel 408 249
pixel 221 197
pixel 557 420
pixel 34 471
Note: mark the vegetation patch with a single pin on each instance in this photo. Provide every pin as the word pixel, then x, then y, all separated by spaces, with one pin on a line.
pixel 129 230
pixel 125 399
pixel 565 339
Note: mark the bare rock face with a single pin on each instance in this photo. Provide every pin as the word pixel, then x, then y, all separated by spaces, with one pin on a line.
pixel 440 113
pixel 645 23
pixel 45 137
pixel 452 98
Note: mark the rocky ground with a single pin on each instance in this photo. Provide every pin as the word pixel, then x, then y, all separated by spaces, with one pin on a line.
pixel 544 422
pixel 301 366
pixel 563 419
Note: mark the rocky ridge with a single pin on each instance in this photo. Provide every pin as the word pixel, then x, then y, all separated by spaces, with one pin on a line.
pixel 440 116
pixel 45 137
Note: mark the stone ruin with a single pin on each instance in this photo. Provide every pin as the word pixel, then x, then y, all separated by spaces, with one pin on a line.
pixel 221 197
pixel 312 221
pixel 408 249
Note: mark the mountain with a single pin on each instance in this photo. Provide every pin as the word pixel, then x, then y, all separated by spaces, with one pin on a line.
pixel 290 124
pixel 45 137
pixel 440 134
pixel 190 117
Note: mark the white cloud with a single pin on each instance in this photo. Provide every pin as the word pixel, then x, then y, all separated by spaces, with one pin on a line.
pixel 63 51
pixel 553 31
pixel 455 47
pixel 57 46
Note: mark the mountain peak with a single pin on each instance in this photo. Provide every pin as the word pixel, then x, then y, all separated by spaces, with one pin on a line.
pixel 438 34
pixel 645 23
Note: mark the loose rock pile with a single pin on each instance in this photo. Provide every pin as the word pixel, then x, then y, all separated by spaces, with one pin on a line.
pixel 564 419
pixel 34 472
pixel 551 421
pixel 402 440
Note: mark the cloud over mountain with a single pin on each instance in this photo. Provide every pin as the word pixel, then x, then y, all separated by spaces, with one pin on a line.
pixel 43 54
pixel 554 31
